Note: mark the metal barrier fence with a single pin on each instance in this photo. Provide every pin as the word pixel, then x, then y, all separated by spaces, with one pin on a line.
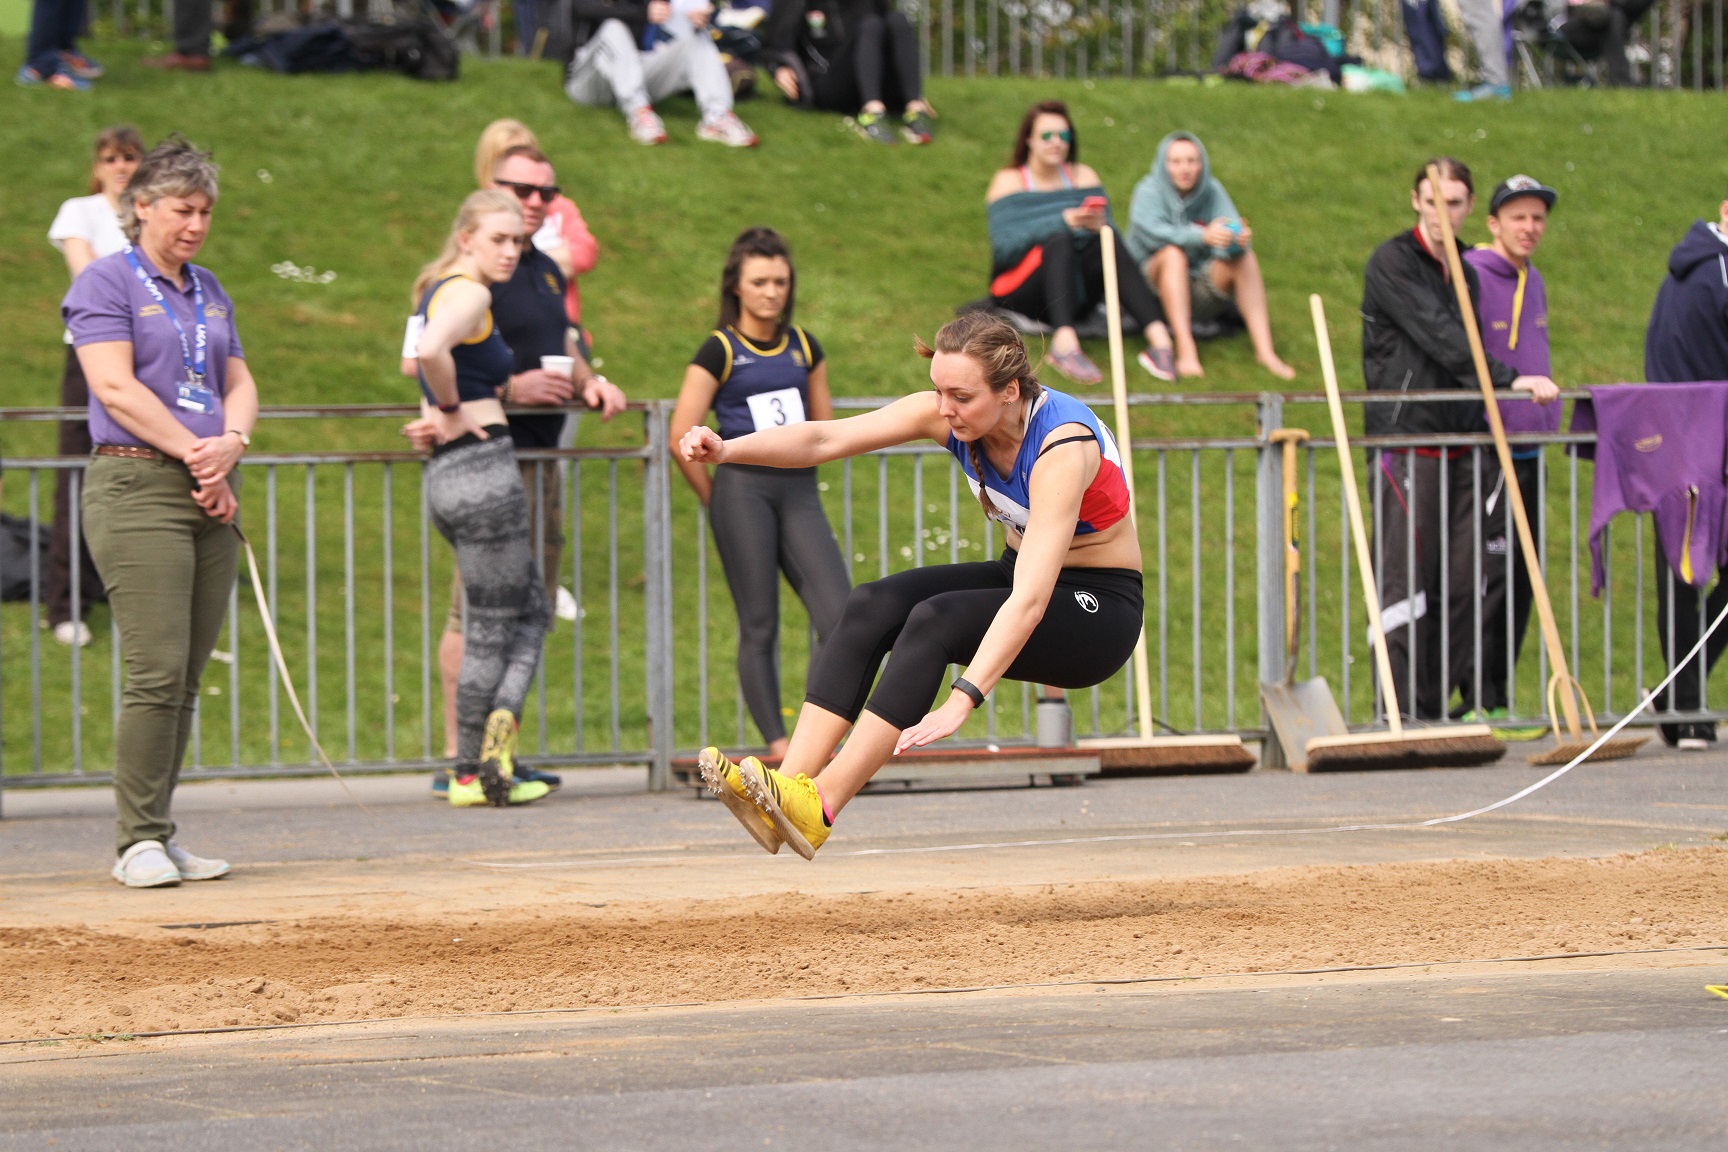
pixel 1676 44
pixel 643 666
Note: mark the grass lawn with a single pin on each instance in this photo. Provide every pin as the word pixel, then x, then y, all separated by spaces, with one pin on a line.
pixel 360 175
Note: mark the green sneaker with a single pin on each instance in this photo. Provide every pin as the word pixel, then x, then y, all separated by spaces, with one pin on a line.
pixel 487 787
pixel 874 126
pixel 1496 719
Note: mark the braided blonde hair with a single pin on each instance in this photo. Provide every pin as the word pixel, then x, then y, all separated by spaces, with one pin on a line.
pixel 991 343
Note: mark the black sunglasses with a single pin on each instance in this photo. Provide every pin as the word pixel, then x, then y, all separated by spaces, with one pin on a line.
pixel 548 192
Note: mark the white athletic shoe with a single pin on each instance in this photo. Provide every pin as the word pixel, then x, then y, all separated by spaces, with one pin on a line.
pixel 71 632
pixel 193 867
pixel 646 127
pixel 726 129
pixel 146 865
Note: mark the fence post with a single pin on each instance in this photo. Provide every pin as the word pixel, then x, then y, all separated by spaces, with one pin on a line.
pixel 657 560
pixel 1269 563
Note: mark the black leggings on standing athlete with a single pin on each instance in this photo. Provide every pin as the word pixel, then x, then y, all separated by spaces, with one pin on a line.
pixel 1070 282
pixel 475 496
pixel 767 521
pixel 930 618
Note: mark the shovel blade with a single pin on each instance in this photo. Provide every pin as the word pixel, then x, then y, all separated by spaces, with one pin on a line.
pixel 1300 711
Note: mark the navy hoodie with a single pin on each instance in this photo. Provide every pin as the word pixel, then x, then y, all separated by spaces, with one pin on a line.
pixel 1688 335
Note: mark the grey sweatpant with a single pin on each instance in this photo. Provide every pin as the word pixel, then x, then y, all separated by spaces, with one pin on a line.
pixel 610 69
pixel 767 521
pixel 476 500
pixel 1485 24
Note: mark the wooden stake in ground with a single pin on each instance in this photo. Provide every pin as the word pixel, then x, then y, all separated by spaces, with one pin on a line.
pixel 1145 752
pixel 1561 683
pixel 1450 746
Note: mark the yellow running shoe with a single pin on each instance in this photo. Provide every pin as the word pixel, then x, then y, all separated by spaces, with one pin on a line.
pixel 499 745
pixel 472 791
pixel 721 776
pixel 790 802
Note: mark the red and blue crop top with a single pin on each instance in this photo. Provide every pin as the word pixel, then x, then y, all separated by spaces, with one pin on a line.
pixel 1106 498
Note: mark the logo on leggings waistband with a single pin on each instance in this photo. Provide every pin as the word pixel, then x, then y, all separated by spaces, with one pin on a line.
pixel 1086 600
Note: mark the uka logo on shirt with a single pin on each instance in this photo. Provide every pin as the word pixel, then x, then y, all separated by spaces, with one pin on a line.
pixel 1648 443
pixel 150 310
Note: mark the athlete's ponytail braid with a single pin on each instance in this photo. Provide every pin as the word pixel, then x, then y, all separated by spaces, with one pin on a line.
pixel 991 343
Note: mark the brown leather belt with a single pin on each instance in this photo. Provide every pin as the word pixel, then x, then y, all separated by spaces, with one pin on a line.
pixel 127 451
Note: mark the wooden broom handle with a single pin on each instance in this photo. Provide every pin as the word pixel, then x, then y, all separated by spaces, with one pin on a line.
pixel 1125 445
pixel 1526 540
pixel 1358 534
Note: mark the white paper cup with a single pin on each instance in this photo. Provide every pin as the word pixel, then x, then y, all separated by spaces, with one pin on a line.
pixel 564 366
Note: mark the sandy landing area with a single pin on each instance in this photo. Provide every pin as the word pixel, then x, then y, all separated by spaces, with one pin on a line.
pixel 376 961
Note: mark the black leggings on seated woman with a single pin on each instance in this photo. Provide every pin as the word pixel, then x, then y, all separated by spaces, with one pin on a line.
pixel 925 619
pixel 1069 284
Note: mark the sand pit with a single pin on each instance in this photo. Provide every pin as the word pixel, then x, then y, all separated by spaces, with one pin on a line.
pixel 72 981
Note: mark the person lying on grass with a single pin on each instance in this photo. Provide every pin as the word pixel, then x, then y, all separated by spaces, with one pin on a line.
pixel 1061 606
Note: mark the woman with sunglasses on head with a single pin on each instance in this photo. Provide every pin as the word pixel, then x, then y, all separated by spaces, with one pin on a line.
pixel 760 370
pixel 85 229
pixel 1061 606
pixel 1046 211
pixel 475 494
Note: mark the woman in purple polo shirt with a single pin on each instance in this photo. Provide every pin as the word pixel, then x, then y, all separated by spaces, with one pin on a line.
pixel 172 405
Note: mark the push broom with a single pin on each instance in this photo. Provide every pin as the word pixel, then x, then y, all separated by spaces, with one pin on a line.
pixel 1145 752
pixel 1561 684
pixel 1451 746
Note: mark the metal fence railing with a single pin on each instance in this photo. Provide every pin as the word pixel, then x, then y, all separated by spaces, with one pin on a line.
pixel 641 667
pixel 1676 44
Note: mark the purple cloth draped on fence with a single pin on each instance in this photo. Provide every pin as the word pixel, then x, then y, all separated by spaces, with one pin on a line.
pixel 1662 449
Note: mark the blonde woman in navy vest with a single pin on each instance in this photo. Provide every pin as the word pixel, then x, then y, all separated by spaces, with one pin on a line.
pixel 759 370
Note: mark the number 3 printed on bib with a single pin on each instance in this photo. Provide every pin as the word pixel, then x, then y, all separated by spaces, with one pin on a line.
pixel 774 409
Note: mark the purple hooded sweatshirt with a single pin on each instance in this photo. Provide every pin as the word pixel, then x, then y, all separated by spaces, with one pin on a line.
pixel 1660 448
pixel 1514 314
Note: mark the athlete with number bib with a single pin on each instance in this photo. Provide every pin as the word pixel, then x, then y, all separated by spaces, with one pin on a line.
pixel 1061 606
pixel 758 370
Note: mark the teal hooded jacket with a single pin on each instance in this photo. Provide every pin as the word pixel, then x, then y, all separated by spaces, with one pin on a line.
pixel 1160 216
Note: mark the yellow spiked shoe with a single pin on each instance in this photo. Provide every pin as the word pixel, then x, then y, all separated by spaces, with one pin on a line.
pixel 722 778
pixel 791 803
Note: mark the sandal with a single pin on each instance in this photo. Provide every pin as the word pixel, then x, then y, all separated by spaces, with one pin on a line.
pixel 1076 366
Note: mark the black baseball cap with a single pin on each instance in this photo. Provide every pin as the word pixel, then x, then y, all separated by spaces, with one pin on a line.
pixel 1516 186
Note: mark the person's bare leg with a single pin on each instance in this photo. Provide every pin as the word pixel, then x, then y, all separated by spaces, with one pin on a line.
pixel 869 747
pixel 449 672
pixel 1167 271
pixel 1241 278
pixel 1064 341
pixel 1157 335
pixel 777 748
pixel 814 737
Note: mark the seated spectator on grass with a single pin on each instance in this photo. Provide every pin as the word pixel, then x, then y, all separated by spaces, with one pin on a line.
pixel 85 229
pixel 564 235
pixel 1600 30
pixel 51 51
pixel 1197 252
pixel 850 56
pixel 1046 211
pixel 632 53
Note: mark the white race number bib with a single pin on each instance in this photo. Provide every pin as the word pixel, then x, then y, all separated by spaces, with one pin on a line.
pixel 774 409
pixel 411 337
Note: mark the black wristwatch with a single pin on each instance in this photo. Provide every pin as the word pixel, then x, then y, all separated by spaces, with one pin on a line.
pixel 963 685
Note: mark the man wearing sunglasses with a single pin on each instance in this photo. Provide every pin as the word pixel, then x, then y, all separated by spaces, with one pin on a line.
pixel 529 312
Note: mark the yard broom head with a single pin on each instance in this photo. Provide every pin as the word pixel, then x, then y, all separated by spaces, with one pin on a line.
pixel 1169 755
pixel 1458 746
pixel 1565 751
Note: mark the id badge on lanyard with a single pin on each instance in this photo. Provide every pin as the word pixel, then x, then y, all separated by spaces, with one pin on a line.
pixel 191 395
pixel 194 397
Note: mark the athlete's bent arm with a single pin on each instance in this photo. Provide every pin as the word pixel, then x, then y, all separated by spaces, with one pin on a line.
pixel 1057 486
pixel 694 400
pixel 820 441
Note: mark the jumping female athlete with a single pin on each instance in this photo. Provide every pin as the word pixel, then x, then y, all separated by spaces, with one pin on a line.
pixel 1061 606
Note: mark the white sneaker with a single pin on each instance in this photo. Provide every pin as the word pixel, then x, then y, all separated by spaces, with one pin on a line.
pixel 193 867
pixel 646 127
pixel 726 129
pixel 146 865
pixel 70 630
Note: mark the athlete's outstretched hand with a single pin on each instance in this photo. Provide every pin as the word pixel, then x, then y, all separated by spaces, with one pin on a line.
pixel 945 721
pixel 701 445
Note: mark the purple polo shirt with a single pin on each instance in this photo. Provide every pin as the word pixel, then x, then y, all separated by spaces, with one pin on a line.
pixel 1515 332
pixel 107 303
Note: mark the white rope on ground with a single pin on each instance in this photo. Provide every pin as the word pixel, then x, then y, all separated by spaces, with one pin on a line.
pixel 282 666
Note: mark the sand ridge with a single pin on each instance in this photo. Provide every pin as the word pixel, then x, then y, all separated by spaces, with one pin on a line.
pixel 77 979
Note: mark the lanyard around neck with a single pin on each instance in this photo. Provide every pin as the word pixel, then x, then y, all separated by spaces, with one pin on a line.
pixel 192 352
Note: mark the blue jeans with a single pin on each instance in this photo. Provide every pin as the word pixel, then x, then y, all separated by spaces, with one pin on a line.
pixel 1427 34
pixel 54 25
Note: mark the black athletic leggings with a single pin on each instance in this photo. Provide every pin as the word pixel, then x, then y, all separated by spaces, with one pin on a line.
pixel 933 617
pixel 1048 294
pixel 767 521
pixel 884 66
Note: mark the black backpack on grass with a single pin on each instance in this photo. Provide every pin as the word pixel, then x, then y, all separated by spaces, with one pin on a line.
pixel 414 46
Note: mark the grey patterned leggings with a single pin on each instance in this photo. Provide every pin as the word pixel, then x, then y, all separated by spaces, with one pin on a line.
pixel 475 496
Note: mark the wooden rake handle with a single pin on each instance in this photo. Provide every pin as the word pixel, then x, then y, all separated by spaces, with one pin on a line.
pixel 1526 539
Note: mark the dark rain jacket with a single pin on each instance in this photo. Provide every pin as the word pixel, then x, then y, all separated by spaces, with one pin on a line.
pixel 1413 340
pixel 1688 335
